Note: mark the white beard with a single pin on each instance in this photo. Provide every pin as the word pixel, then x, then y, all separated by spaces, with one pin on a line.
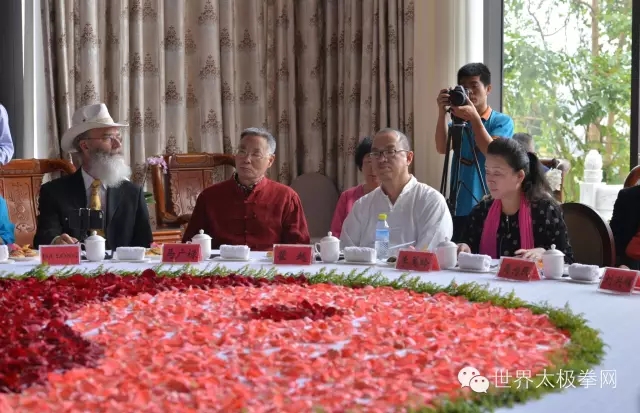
pixel 110 169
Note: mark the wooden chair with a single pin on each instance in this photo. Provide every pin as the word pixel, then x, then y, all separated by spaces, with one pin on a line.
pixel 20 182
pixel 590 236
pixel 319 197
pixel 633 178
pixel 176 191
pixel 553 163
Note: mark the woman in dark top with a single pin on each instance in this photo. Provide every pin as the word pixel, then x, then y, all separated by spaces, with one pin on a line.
pixel 520 218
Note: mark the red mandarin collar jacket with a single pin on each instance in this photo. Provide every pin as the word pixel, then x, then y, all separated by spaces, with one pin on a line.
pixel 270 214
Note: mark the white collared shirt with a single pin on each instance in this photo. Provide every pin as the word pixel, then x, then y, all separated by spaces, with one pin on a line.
pixel 419 214
pixel 88 180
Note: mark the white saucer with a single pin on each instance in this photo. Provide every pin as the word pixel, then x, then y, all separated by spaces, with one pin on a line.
pixel 384 263
pixel 345 262
pixel 489 271
pixel 230 259
pixel 571 280
pixel 8 261
pixel 136 261
pixel 153 257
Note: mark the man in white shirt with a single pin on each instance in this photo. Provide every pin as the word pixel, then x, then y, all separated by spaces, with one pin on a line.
pixel 6 143
pixel 415 211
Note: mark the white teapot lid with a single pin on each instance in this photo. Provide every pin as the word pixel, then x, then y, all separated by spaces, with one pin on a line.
pixel 200 236
pixel 447 243
pixel 553 252
pixel 329 238
pixel 94 237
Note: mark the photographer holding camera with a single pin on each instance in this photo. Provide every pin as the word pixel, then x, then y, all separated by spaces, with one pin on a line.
pixel 480 125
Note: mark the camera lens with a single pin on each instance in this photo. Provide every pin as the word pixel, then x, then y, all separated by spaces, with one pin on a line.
pixel 457 97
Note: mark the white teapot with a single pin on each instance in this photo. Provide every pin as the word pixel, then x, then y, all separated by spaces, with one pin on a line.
pixel 447 253
pixel 329 248
pixel 553 263
pixel 205 243
pixel 95 247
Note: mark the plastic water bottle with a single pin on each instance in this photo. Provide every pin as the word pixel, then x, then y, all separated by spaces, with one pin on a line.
pixel 382 238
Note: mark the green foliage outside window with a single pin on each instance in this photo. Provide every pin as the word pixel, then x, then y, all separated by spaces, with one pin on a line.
pixel 567 80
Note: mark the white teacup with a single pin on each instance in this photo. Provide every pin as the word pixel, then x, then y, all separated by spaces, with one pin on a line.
pixel 447 253
pixel 329 248
pixel 4 253
pixel 95 247
pixel 204 241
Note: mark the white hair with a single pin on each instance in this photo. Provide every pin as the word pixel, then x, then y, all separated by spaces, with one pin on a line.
pixel 271 141
pixel 111 169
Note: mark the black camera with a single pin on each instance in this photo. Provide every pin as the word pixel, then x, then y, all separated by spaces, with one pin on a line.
pixel 458 96
pixel 85 219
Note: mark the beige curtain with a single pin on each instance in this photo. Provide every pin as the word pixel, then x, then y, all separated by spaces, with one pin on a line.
pixel 189 75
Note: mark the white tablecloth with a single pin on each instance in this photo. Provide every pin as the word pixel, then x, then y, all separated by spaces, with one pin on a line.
pixel 615 316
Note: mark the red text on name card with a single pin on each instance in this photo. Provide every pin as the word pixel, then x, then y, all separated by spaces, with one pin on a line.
pixel 412 260
pixel 619 280
pixel 293 254
pixel 60 254
pixel 181 253
pixel 518 269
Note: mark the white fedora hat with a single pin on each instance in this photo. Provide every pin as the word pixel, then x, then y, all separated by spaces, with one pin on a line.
pixel 87 118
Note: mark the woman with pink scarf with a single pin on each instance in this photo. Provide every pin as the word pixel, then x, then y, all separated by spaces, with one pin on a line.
pixel 520 218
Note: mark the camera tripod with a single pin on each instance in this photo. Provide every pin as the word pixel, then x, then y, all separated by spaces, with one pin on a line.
pixel 454 141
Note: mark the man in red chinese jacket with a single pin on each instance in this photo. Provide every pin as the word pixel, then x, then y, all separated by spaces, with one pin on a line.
pixel 250 209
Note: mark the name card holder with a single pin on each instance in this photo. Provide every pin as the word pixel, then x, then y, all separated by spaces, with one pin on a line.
pixel 181 253
pixel 619 280
pixel 518 269
pixel 60 254
pixel 291 254
pixel 412 260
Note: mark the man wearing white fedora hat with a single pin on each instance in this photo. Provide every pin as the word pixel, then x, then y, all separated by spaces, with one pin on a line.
pixel 100 184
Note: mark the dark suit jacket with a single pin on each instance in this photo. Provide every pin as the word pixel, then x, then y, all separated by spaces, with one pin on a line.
pixel 625 223
pixel 126 218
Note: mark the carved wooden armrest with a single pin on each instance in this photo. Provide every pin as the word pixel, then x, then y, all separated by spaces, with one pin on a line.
pixel 172 220
pixel 183 219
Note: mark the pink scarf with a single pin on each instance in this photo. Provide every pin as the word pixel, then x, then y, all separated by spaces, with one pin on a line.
pixel 488 242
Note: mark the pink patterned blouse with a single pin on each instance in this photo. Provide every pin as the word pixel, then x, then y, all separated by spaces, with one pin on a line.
pixel 343 207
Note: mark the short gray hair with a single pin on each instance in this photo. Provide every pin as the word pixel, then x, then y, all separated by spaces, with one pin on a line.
pixel 78 139
pixel 403 140
pixel 271 141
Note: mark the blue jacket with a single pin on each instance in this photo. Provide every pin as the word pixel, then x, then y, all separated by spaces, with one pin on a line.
pixel 6 227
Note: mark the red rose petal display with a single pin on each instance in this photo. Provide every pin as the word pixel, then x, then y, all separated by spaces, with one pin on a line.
pixel 34 339
pixel 280 346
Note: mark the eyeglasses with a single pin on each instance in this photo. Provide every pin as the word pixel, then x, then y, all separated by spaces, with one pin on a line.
pixel 242 153
pixel 111 138
pixel 388 154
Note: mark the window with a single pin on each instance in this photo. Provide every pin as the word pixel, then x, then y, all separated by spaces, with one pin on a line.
pixel 566 80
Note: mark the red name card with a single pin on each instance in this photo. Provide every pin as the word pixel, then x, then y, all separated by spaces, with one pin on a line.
pixel 619 280
pixel 518 269
pixel 181 253
pixel 413 260
pixel 293 254
pixel 60 254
